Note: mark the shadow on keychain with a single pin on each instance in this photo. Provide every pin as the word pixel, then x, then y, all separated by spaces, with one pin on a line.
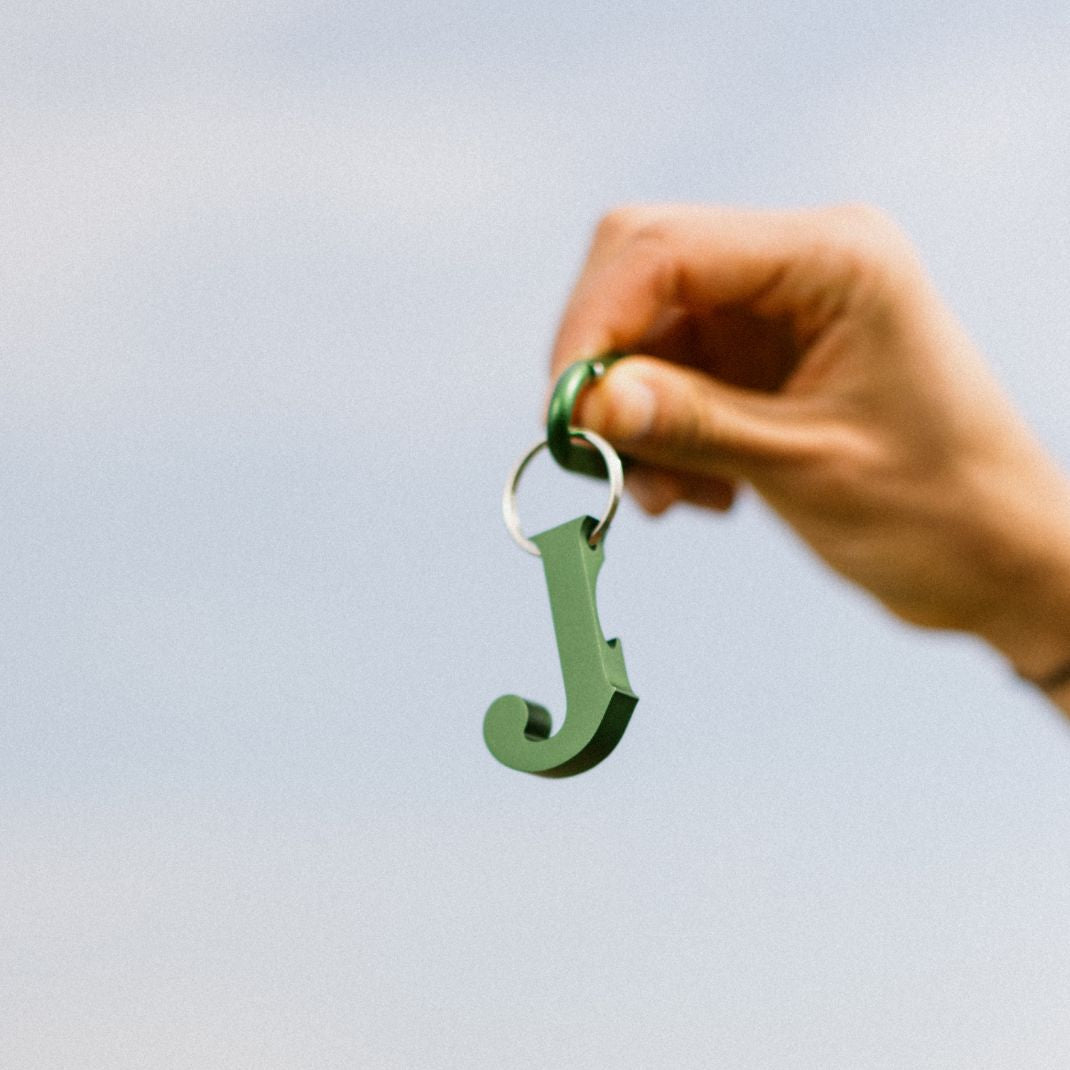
pixel 599 699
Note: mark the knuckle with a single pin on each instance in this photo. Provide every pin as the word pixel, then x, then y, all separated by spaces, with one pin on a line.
pixel 633 223
pixel 652 256
pixel 617 223
pixel 845 460
pixel 866 247
pixel 861 216
pixel 868 234
pixel 642 244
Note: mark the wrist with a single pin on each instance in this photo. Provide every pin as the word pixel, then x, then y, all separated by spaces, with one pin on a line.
pixel 1029 617
pixel 1030 625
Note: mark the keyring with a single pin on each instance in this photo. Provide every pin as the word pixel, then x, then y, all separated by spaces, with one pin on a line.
pixel 616 489
pixel 559 428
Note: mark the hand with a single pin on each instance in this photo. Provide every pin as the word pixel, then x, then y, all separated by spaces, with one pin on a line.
pixel 807 355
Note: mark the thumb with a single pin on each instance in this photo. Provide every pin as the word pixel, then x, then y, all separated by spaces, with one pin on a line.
pixel 680 418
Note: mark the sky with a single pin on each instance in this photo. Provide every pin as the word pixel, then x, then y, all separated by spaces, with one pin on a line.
pixel 277 290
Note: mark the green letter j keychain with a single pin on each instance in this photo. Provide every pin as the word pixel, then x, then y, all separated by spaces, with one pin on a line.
pixel 599 699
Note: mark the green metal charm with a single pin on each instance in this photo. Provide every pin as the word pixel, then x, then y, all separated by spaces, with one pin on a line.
pixel 599 698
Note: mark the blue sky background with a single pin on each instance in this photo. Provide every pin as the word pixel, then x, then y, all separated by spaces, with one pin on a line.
pixel 277 286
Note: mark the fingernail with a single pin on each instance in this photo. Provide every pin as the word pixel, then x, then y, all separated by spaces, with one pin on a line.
pixel 633 406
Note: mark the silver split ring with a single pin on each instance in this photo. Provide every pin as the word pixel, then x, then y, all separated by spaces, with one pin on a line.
pixel 616 489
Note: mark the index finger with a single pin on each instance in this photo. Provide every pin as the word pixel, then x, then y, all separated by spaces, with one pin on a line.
pixel 649 263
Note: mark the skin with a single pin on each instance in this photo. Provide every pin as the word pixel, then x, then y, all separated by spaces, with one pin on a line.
pixel 807 355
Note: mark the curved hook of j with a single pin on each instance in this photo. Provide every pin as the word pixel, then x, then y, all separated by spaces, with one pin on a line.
pixel 598 696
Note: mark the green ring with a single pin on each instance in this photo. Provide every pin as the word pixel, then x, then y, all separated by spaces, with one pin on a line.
pixel 559 425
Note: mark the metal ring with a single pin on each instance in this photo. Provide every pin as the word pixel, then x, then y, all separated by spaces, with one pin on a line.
pixel 616 489
pixel 570 384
